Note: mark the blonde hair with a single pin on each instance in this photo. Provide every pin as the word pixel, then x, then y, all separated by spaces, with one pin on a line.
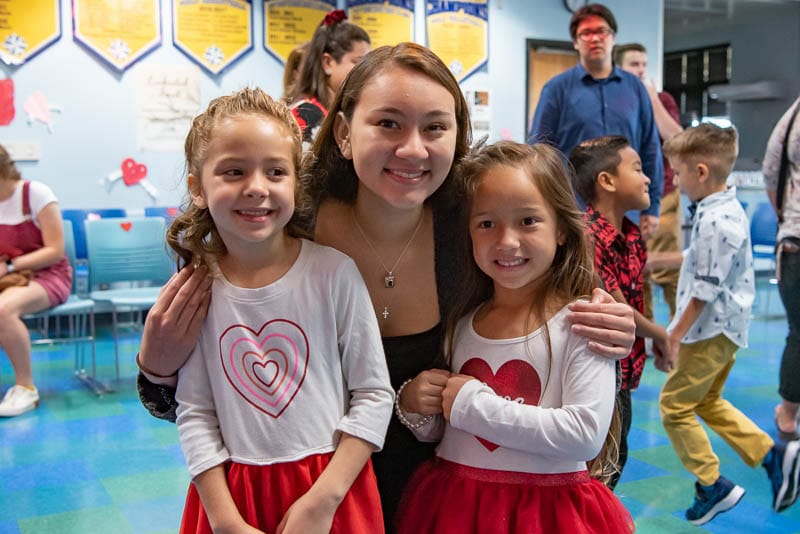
pixel 706 143
pixel 571 274
pixel 193 234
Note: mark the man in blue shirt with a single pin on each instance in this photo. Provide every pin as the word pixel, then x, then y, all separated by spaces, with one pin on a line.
pixel 595 99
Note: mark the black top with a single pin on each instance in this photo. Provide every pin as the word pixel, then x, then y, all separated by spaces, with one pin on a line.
pixel 406 357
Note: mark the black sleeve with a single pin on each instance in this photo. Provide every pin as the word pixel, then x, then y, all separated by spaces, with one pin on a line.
pixel 157 399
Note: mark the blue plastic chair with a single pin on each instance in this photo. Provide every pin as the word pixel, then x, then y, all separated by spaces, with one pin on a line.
pixel 130 251
pixel 763 231
pixel 79 312
pixel 763 234
pixel 77 217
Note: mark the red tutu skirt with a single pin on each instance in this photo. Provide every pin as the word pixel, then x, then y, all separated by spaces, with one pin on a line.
pixel 263 494
pixel 450 498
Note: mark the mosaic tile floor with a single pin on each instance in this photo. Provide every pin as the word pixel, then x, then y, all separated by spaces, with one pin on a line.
pixel 83 464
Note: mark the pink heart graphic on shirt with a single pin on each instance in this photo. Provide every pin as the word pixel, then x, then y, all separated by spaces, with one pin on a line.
pixel 132 172
pixel 268 366
pixel 515 380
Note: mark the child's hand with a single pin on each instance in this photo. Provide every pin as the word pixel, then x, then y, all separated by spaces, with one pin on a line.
pixel 423 395
pixel 454 385
pixel 308 515
pixel 663 361
pixel 242 528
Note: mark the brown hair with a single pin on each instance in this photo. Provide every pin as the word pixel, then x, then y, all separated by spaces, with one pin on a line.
pixel 621 50
pixel 8 169
pixel 706 143
pixel 292 67
pixel 592 157
pixel 193 234
pixel 334 38
pixel 591 10
pixel 332 175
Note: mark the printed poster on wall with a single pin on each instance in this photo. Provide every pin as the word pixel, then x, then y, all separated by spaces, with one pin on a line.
pixel 459 34
pixel 387 22
pixel 119 32
pixel 290 23
pixel 213 33
pixel 167 99
pixel 26 28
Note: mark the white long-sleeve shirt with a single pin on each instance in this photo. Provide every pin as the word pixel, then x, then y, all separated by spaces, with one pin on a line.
pixel 279 371
pixel 527 412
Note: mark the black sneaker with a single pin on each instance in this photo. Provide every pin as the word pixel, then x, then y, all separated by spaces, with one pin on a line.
pixel 712 500
pixel 783 468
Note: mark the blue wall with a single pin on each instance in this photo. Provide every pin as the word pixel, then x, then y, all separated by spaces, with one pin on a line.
pixel 97 128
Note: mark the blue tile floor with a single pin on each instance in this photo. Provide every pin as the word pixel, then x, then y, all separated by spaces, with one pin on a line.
pixel 87 464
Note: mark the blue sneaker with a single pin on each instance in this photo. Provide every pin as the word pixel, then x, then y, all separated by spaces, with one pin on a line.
pixel 783 468
pixel 711 500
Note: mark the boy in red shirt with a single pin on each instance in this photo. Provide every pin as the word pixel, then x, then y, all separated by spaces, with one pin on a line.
pixel 609 178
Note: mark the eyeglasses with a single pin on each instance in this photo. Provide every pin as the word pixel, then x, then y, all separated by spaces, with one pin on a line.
pixel 601 33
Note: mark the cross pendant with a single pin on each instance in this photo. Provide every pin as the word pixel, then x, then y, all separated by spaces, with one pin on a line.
pixel 385 312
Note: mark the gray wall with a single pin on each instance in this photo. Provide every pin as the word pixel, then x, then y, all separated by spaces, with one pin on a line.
pixel 766 46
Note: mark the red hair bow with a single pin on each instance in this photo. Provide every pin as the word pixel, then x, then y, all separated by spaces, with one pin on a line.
pixel 337 15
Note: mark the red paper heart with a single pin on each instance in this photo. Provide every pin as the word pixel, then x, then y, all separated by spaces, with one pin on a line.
pixel 515 380
pixel 6 101
pixel 132 172
pixel 126 226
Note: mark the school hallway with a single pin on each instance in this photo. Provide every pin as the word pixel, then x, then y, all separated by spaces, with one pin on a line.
pixel 87 464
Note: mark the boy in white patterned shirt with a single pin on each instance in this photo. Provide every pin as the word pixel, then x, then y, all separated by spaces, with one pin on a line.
pixel 715 296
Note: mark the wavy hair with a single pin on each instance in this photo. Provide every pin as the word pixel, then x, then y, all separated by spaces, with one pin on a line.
pixel 193 234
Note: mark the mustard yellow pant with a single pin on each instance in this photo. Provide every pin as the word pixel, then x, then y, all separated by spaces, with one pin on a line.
pixel 666 239
pixel 694 388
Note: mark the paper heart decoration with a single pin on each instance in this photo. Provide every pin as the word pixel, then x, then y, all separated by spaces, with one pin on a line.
pixel 268 366
pixel 37 107
pixel 132 172
pixel 126 226
pixel 7 111
pixel 516 379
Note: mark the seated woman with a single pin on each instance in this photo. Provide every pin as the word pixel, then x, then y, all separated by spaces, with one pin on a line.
pixel 32 245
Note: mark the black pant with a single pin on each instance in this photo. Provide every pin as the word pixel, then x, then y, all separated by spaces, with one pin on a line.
pixel 625 418
pixel 789 288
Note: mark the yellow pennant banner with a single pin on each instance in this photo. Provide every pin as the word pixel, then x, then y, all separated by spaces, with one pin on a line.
pixel 26 28
pixel 120 32
pixel 459 34
pixel 387 23
pixel 290 23
pixel 213 33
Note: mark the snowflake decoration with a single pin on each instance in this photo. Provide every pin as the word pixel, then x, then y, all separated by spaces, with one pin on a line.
pixel 214 55
pixel 456 67
pixel 119 49
pixel 15 45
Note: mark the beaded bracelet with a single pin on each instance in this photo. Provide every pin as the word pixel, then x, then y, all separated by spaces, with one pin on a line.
pixel 149 372
pixel 401 416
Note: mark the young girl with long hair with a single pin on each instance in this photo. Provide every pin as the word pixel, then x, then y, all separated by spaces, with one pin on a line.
pixel 286 393
pixel 527 404
pixel 335 48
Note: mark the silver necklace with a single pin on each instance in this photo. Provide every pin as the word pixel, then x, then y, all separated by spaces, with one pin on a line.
pixel 389 277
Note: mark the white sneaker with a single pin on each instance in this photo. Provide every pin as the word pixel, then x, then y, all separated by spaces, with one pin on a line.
pixel 18 400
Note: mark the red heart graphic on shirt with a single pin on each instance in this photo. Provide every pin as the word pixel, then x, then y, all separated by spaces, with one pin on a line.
pixel 516 380
pixel 126 226
pixel 268 366
pixel 132 172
